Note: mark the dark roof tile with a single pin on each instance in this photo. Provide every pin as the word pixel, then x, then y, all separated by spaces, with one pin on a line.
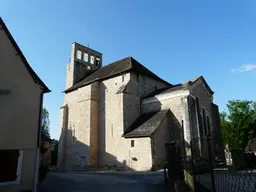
pixel 168 90
pixel 115 69
pixel 181 86
pixel 146 124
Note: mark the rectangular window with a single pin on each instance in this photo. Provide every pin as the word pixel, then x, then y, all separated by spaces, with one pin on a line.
pixel 85 57
pixel 78 54
pixel 132 143
pixel 122 78
pixel 112 130
pixel 74 135
pixel 92 59
pixel 8 165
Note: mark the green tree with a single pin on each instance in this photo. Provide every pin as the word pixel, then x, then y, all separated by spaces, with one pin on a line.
pixel 45 122
pixel 54 155
pixel 45 127
pixel 236 125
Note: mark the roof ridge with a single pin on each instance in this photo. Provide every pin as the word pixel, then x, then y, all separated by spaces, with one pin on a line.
pixel 116 68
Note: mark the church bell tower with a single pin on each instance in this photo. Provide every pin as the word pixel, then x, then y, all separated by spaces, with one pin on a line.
pixel 83 62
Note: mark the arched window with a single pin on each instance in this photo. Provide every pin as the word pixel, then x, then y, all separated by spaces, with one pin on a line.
pixel 208 125
pixel 199 116
pixel 78 54
pixel 204 122
pixel 92 59
pixel 85 57
pixel 97 61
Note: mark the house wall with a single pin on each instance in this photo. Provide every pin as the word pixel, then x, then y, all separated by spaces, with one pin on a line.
pixel 159 138
pixel 111 122
pixel 148 85
pixel 177 102
pixel 19 111
pixel 75 135
pixel 199 90
pixel 113 111
pixel 205 98
pixel 117 113
pixel 140 156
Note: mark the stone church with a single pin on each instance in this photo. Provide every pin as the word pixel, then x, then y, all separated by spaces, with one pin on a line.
pixel 120 116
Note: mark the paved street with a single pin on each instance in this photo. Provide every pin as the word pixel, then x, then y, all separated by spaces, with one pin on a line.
pixel 97 182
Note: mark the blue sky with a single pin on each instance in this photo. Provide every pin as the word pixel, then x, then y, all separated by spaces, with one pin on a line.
pixel 178 40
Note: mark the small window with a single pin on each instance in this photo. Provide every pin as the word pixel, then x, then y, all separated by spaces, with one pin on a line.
pixel 97 61
pixel 92 59
pixel 112 130
pixel 9 165
pixel 122 78
pixel 78 54
pixel 208 125
pixel 85 57
pixel 204 122
pixel 132 143
pixel 74 135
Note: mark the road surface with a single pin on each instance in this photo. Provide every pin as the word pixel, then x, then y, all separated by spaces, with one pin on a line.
pixel 106 181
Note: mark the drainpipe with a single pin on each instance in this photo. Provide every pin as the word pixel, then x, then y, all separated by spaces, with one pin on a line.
pixel 38 144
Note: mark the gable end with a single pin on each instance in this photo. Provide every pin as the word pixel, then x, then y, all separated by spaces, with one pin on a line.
pixel 36 79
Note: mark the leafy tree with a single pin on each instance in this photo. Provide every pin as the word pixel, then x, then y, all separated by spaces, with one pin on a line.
pixel 236 125
pixel 54 156
pixel 45 127
pixel 45 122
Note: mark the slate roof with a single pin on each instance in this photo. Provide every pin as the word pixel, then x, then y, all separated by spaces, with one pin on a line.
pixel 180 86
pixel 19 52
pixel 167 90
pixel 115 69
pixel 146 124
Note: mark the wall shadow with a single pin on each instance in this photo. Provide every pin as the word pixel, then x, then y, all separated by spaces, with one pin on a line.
pixel 73 153
pixel 76 160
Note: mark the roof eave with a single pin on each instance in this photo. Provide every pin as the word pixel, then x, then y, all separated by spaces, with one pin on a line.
pixel 130 137
pixel 32 73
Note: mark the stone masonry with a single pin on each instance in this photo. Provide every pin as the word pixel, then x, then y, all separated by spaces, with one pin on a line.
pixel 102 105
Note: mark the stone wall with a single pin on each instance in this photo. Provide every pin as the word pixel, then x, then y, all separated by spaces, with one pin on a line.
pixel 77 69
pixel 177 102
pixel 148 85
pixel 131 101
pixel 111 120
pixel 159 138
pixel 94 126
pixel 205 98
pixel 172 101
pixel 98 115
pixel 76 132
pixel 119 108
pixel 200 91
pixel 140 156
